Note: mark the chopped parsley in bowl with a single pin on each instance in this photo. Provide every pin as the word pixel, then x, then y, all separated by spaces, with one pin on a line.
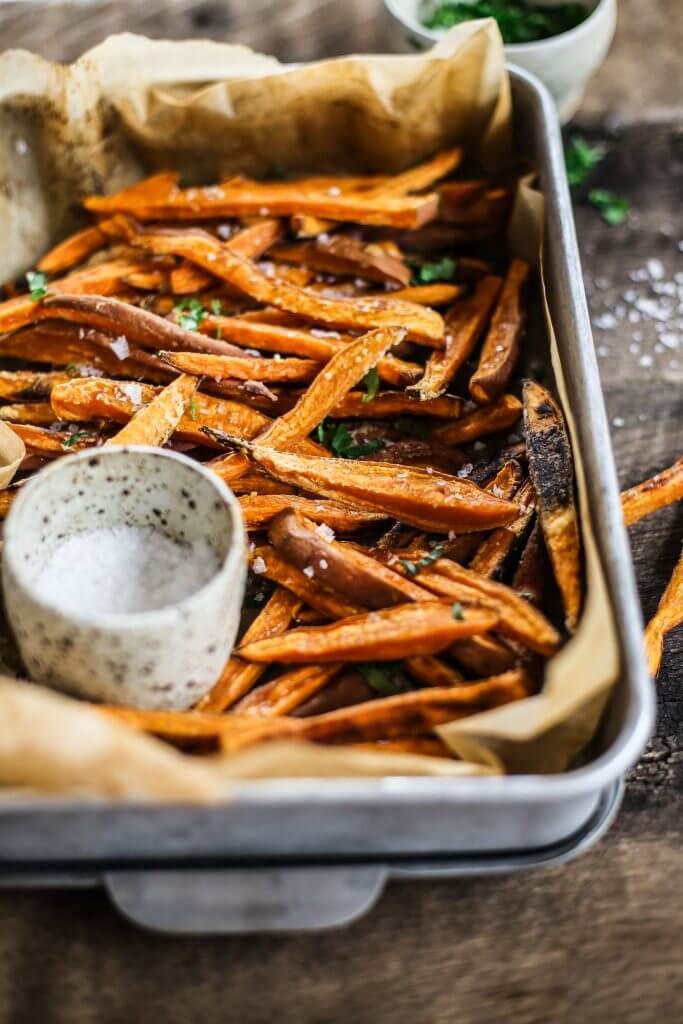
pixel 519 22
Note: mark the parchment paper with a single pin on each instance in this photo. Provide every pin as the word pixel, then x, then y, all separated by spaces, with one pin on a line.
pixel 132 105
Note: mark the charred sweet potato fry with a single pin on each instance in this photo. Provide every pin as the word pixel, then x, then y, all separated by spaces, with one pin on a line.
pixel 408 629
pixel 219 368
pixel 649 496
pixel 493 554
pixel 259 510
pixel 413 496
pixel 465 322
pixel 552 474
pixel 238 676
pixel 669 614
pixel 533 571
pixel 491 419
pixel 154 423
pixel 282 695
pixel 501 347
pixel 423 324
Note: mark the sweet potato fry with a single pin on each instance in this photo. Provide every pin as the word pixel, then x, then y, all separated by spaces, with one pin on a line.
pixel 276 199
pixel 341 567
pixel 102 279
pixel 238 676
pixel 669 614
pixel 405 630
pixel 517 618
pixel 387 404
pixel 219 368
pixel 7 496
pixel 29 384
pixel 346 368
pixel 73 250
pixel 61 344
pixel 188 279
pixel 431 671
pixel 259 511
pixel 38 413
pixel 649 496
pixel 424 325
pixel 421 746
pixel 154 189
pixel 387 717
pixel 136 324
pixel 501 347
pixel 413 496
pixel 489 209
pixel 344 255
pixel 51 443
pixel 155 422
pixel 491 419
pixel 428 294
pixel 465 322
pixel 552 474
pixel 148 280
pixel 319 345
pixel 282 695
pixel 174 726
pixel 532 574
pixel 97 398
pixel 272 566
pixel 493 554
pixel 484 655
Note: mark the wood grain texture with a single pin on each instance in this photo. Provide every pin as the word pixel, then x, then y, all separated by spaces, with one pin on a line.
pixel 596 941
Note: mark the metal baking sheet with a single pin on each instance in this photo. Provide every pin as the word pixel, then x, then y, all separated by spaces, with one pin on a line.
pixel 509 818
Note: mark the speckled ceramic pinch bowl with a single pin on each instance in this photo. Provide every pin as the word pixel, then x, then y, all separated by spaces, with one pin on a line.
pixel 165 658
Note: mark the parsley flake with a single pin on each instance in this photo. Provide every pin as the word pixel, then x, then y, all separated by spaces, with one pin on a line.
pixel 441 270
pixel 613 209
pixel 37 284
pixel 519 22
pixel 580 158
pixel 412 568
pixel 72 368
pixel 386 678
pixel 73 439
pixel 216 307
pixel 342 444
pixel 371 382
pixel 457 612
pixel 190 313
pixel 193 409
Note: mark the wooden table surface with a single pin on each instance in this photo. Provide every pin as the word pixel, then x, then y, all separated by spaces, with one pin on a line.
pixel 597 940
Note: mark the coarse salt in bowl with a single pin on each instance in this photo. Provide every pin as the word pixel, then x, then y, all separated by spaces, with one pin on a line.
pixel 123 574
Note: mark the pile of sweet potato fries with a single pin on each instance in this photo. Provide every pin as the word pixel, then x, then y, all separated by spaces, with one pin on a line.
pixel 345 353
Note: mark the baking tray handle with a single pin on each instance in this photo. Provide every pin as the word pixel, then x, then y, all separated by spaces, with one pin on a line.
pixel 236 901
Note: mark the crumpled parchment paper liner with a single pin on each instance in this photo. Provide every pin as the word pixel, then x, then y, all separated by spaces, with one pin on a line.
pixel 12 451
pixel 133 105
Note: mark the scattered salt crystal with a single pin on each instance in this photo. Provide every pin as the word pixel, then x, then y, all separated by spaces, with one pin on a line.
pixel 323 237
pixel 322 564
pixel 224 231
pixel 680 245
pixel 659 349
pixel 645 361
pixel 673 364
pixel 120 570
pixel 465 470
pixel 630 295
pixel 211 257
pixel 133 392
pixel 309 571
pixel 401 476
pixel 120 347
pixel 277 357
pixel 325 531
pixel 252 352
pixel 258 566
pixel 605 322
pixel 669 340
pixel 634 317
pixel 21 147
pixel 634 348
pixel 334 190
pixel 617 421
pixel 430 470
pixel 655 269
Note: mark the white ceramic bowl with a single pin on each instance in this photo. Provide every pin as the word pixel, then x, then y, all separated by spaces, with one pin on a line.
pixel 564 63
pixel 168 657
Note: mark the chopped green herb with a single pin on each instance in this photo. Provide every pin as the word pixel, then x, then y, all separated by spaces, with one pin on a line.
pixel 190 313
pixel 457 611
pixel 72 368
pixel 442 270
pixel 386 678
pixel 371 382
pixel 193 409
pixel 411 426
pixel 37 284
pixel 73 439
pixel 412 568
pixel 216 307
pixel 613 209
pixel 580 158
pixel 342 444
pixel 519 22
